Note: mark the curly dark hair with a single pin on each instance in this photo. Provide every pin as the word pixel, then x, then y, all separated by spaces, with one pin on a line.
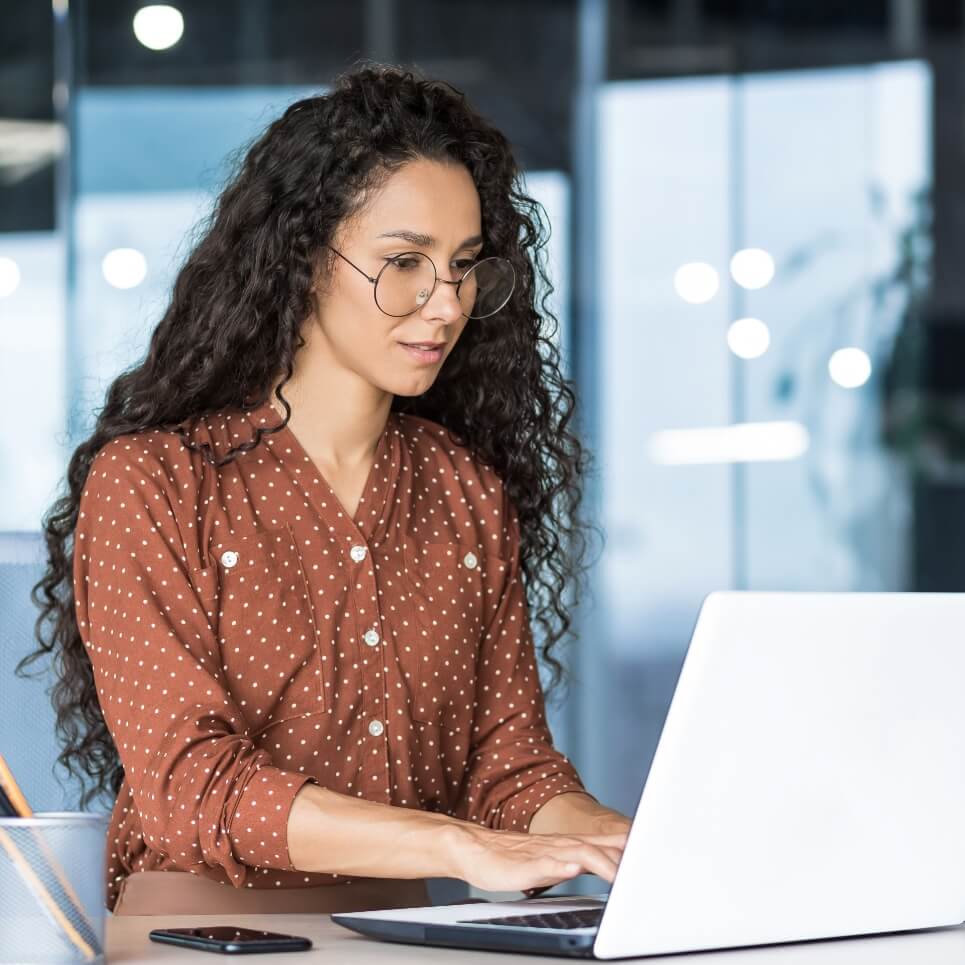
pixel 233 326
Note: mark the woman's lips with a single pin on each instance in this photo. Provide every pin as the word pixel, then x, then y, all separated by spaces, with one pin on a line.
pixel 426 356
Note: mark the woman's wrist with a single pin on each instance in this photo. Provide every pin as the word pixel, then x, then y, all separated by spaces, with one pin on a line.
pixel 575 812
pixel 610 822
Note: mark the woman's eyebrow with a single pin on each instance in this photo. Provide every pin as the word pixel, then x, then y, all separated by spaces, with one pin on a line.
pixel 423 240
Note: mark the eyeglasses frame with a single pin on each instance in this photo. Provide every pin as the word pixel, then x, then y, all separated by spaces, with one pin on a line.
pixel 374 281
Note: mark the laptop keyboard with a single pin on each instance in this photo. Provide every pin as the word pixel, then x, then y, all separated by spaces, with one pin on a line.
pixel 583 918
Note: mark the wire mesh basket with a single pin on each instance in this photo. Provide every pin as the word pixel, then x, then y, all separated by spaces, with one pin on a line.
pixel 52 887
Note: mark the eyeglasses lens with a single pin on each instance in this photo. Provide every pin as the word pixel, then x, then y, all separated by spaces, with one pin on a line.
pixel 406 283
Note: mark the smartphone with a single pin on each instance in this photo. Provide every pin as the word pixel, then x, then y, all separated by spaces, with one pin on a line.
pixel 230 940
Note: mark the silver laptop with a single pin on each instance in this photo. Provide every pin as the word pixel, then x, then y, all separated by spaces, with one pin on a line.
pixel 809 783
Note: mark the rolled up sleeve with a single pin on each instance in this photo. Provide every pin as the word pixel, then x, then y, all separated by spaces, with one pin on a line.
pixel 205 793
pixel 514 769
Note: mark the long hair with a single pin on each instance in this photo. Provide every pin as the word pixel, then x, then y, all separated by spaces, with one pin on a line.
pixel 232 327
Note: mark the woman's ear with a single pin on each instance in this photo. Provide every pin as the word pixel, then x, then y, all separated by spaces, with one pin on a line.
pixel 322 285
pixel 323 269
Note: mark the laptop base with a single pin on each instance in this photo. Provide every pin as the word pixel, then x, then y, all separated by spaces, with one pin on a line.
pixel 535 941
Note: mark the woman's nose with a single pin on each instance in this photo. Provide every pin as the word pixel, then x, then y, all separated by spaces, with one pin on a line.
pixel 444 302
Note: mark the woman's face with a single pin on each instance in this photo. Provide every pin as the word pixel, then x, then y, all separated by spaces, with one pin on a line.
pixel 425 206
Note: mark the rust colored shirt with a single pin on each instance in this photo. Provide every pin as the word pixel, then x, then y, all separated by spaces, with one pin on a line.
pixel 247 636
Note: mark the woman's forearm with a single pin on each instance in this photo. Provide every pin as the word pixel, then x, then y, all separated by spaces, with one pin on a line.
pixel 340 834
pixel 574 812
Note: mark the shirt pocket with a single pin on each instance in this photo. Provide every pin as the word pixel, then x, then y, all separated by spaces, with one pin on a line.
pixel 447 584
pixel 267 629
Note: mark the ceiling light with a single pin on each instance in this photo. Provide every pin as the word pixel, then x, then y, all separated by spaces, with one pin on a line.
pixel 850 367
pixel 748 338
pixel 124 267
pixel 158 26
pixel 696 282
pixel 752 268
pixel 742 442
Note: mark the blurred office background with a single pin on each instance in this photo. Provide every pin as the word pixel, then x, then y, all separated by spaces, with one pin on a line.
pixel 757 210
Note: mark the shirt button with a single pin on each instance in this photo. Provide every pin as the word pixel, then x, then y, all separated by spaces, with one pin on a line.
pixel 371 637
pixel 358 553
pixel 376 727
pixel 229 558
pixel 470 560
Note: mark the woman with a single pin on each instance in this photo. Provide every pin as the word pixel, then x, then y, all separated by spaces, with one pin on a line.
pixel 291 630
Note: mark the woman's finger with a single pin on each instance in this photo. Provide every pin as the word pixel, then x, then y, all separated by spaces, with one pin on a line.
pixel 590 858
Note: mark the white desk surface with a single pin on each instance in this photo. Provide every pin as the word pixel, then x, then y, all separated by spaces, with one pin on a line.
pixel 127 942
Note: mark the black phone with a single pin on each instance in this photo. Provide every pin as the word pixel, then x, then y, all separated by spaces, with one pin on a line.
pixel 230 940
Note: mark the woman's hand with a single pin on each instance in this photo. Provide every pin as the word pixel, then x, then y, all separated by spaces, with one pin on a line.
pixel 604 824
pixel 511 861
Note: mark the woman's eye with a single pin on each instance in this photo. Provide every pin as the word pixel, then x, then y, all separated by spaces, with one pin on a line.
pixel 464 264
pixel 404 264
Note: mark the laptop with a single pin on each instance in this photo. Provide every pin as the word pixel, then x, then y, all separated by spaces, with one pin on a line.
pixel 808 783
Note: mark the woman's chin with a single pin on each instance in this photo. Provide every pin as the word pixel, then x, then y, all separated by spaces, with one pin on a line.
pixel 411 383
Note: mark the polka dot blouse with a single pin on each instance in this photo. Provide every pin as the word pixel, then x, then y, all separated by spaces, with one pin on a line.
pixel 248 636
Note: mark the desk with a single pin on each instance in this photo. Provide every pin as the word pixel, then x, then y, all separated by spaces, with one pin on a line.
pixel 127 942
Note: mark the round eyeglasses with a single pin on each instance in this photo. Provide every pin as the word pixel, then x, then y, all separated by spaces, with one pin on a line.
pixel 406 282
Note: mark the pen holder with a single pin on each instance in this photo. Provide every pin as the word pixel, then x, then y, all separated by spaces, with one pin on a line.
pixel 52 900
